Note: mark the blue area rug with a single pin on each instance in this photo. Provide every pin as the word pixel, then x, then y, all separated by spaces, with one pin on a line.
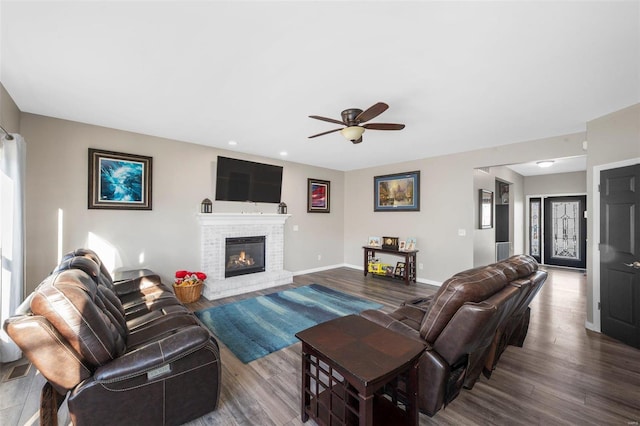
pixel 256 327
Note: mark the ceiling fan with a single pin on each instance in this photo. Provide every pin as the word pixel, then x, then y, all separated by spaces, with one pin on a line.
pixel 353 117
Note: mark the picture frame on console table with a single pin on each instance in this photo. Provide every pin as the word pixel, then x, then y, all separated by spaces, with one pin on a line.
pixel 318 196
pixel 397 192
pixel 119 181
pixel 374 242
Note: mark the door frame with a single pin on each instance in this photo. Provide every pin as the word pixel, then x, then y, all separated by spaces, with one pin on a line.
pixel 594 224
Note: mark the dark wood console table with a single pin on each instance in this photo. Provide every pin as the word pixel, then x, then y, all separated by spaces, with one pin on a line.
pixel 350 372
pixel 409 261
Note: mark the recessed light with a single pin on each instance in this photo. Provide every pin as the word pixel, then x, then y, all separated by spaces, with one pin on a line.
pixel 283 153
pixel 545 163
pixel 233 143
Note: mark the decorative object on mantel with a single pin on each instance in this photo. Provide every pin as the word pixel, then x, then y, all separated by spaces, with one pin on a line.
pixel 188 285
pixel 119 181
pixel 390 243
pixel 397 192
pixel 206 206
pixel 282 208
pixel 318 196
pixel 374 242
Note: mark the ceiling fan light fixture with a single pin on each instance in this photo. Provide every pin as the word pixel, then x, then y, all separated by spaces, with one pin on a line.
pixel 544 164
pixel 352 132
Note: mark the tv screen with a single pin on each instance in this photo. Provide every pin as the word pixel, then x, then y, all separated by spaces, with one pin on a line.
pixel 241 180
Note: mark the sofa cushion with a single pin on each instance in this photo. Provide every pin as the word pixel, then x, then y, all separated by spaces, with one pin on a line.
pixel 472 286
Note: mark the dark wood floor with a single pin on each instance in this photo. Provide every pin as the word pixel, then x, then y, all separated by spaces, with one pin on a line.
pixel 564 374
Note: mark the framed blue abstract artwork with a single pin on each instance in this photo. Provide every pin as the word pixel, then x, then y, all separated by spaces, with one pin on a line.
pixel 119 181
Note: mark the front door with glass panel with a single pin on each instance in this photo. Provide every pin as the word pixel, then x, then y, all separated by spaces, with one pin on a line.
pixel 565 231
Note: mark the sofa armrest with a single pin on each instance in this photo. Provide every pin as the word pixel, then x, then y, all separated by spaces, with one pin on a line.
pixel 149 358
pixel 422 303
pixel 390 323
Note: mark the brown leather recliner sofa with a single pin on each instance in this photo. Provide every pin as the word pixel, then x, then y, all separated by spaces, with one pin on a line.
pixel 467 324
pixel 125 352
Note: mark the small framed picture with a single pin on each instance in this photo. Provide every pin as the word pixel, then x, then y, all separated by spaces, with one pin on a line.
pixel 389 271
pixel 374 242
pixel 402 244
pixel 318 196
pixel 410 244
pixel 119 181
pixel 399 271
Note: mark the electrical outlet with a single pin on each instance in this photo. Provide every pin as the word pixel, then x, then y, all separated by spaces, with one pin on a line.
pixel 319 257
pixel 420 266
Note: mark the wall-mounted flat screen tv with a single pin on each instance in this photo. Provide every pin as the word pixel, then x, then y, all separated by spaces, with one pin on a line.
pixel 241 180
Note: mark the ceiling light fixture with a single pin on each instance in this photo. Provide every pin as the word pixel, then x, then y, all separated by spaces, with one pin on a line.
pixel 352 132
pixel 233 143
pixel 545 163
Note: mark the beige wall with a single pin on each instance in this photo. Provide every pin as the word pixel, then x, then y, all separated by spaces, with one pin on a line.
pixel 484 239
pixel 556 184
pixel 165 239
pixel 9 112
pixel 448 204
pixel 613 141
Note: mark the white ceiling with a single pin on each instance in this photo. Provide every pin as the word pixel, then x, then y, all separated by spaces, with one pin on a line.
pixel 460 75
pixel 560 165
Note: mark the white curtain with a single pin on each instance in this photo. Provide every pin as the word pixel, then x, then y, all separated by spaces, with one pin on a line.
pixel 12 171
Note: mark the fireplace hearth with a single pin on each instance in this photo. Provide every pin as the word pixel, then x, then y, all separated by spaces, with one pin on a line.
pixel 244 255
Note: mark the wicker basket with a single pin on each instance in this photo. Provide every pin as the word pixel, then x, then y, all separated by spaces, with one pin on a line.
pixel 188 293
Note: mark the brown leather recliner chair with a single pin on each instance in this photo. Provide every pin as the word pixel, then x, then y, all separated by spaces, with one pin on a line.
pixel 460 323
pixel 74 331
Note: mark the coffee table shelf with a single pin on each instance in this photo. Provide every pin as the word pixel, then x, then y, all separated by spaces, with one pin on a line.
pixel 350 365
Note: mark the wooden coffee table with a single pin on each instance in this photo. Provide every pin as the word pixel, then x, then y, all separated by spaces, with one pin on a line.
pixel 346 363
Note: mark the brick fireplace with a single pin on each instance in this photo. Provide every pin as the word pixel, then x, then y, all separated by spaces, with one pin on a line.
pixel 216 228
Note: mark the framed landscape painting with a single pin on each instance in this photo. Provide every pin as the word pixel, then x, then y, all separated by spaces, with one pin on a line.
pixel 397 192
pixel 119 181
pixel 318 196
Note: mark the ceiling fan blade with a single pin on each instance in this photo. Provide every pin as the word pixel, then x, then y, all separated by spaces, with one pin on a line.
pixel 372 112
pixel 324 133
pixel 383 126
pixel 330 120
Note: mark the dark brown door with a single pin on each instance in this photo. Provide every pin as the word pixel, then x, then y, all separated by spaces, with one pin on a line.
pixel 620 254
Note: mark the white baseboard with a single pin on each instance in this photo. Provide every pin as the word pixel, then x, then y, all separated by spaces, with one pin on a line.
pixel 320 269
pixel 359 268
pixel 591 326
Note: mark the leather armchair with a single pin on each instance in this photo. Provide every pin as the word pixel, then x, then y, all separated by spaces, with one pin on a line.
pixel 73 329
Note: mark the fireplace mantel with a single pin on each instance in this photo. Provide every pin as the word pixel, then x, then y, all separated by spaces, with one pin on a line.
pixel 242 218
pixel 216 227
